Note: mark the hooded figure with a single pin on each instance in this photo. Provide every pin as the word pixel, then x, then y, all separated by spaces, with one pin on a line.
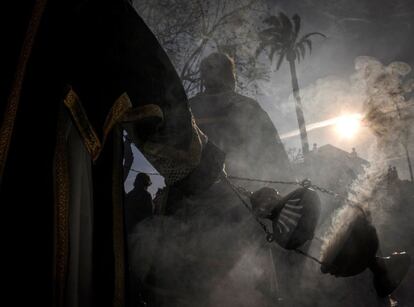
pixel 237 124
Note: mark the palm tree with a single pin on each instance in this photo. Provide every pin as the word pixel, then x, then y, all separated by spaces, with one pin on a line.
pixel 282 38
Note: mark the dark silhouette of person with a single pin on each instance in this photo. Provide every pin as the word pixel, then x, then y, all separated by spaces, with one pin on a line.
pixel 237 124
pixel 138 202
pixel 240 127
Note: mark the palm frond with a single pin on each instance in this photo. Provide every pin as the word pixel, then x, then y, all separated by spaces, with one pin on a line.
pixel 301 48
pixel 277 41
pixel 286 27
pixel 312 34
pixel 296 23
pixel 280 60
pixel 285 21
pixel 273 50
pixel 272 21
pixel 269 33
pixel 308 42
pixel 297 55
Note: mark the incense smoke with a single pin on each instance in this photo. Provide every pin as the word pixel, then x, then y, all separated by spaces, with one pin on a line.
pixel 326 98
pixel 385 107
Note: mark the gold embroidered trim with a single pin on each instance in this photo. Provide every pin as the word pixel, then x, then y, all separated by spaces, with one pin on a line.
pixel 90 138
pixel 116 114
pixel 10 113
pixel 88 134
pixel 61 190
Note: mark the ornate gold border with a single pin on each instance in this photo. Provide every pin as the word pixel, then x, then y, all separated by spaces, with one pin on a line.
pixel 121 111
pixel 116 114
pixel 10 112
pixel 89 137
pixel 94 147
pixel 61 215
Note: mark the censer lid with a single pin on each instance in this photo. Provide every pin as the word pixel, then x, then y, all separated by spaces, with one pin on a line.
pixel 295 218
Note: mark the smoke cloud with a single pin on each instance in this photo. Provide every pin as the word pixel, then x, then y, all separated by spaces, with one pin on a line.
pixel 386 108
pixel 160 247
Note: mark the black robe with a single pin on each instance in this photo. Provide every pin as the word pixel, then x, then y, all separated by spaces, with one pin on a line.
pixel 97 50
pixel 243 130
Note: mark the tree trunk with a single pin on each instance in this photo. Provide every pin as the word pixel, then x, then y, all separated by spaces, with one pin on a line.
pixel 299 111
pixel 410 168
pixel 405 144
